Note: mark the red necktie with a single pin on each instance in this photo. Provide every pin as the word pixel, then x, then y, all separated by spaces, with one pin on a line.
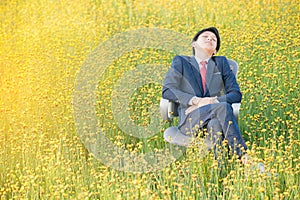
pixel 203 74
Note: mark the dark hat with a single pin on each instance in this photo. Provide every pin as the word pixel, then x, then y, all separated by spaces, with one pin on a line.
pixel 213 30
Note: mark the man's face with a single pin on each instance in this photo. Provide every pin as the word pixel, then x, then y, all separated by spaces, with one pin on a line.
pixel 207 41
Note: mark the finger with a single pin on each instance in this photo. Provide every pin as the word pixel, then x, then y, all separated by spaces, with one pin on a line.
pixel 187 111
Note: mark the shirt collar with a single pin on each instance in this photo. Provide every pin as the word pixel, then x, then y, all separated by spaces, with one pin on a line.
pixel 199 61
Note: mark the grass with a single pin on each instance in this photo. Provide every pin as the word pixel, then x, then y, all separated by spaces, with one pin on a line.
pixel 45 43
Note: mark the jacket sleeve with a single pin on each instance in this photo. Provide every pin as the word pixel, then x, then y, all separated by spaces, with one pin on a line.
pixel 175 86
pixel 232 89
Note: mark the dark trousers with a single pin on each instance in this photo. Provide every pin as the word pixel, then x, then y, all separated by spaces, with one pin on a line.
pixel 221 124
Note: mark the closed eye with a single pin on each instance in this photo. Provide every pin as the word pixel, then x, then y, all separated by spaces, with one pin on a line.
pixel 206 36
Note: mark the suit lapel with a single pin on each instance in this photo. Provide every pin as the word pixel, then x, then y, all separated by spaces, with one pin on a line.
pixel 196 72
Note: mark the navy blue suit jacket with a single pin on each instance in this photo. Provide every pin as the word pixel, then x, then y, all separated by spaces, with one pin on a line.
pixel 183 81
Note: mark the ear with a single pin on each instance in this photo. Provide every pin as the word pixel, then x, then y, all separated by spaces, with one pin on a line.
pixel 194 44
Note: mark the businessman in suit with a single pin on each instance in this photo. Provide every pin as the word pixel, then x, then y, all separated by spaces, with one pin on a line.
pixel 205 88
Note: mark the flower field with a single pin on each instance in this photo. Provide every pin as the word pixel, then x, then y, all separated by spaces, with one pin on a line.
pixel 45 46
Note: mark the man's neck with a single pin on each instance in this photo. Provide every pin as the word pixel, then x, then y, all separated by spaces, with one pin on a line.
pixel 202 55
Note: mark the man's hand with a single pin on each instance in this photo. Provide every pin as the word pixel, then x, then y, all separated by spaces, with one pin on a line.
pixel 198 102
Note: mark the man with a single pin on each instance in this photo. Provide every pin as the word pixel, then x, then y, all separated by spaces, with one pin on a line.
pixel 205 88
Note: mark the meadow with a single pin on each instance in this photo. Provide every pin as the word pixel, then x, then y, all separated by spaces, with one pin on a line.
pixel 44 46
